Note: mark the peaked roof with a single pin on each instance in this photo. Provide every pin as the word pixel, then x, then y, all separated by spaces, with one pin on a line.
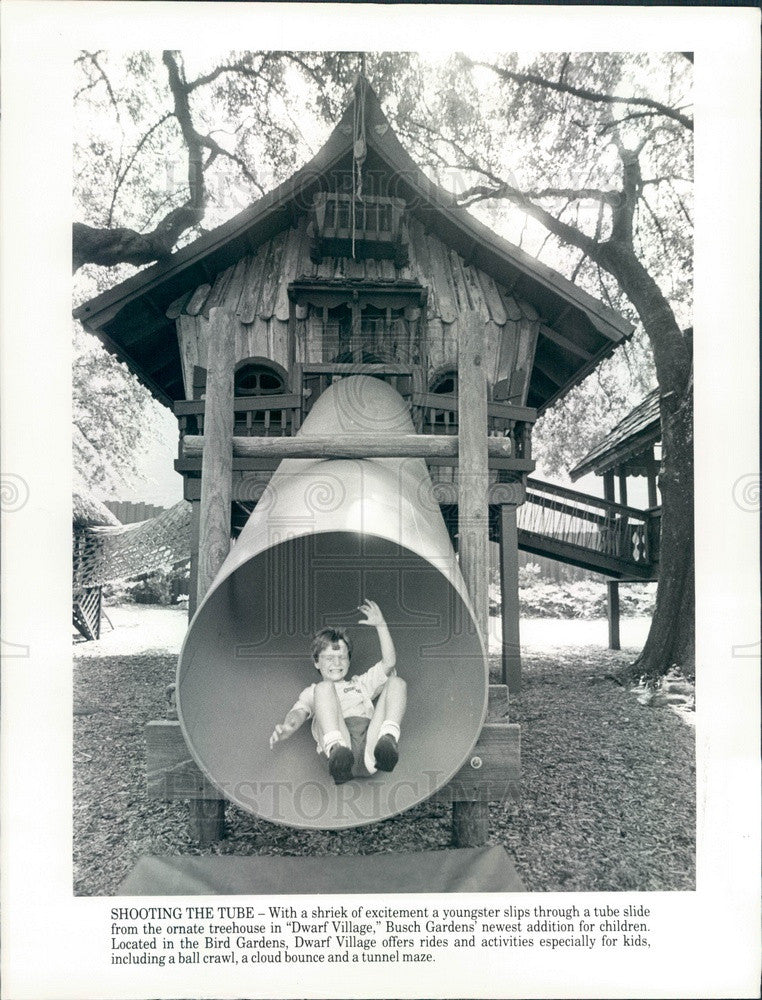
pixel 639 429
pixel 130 319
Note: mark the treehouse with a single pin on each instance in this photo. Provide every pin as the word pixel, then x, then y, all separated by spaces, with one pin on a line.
pixel 358 264
pixel 316 281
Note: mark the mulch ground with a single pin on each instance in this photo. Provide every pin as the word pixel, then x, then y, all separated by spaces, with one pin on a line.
pixel 607 801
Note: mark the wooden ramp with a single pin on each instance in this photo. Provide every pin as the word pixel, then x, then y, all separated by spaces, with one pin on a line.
pixel 479 869
pixel 599 535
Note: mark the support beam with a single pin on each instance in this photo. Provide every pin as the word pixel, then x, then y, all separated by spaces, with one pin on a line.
pixel 217 466
pixel 509 594
pixel 473 467
pixel 562 341
pixel 612 609
pixel 207 819
pixel 470 824
pixel 608 486
pixel 195 526
pixel 430 446
pixel 470 820
pixel 623 488
pixel 653 468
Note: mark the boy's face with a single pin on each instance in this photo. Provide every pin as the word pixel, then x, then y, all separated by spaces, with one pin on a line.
pixel 333 661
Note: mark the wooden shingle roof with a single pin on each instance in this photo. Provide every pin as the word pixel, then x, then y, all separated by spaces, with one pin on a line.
pixel 631 436
pixel 131 318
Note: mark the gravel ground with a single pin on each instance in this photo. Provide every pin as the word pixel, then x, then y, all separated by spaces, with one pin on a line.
pixel 608 784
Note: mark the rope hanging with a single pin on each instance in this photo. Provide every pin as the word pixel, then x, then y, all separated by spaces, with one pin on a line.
pixel 359 150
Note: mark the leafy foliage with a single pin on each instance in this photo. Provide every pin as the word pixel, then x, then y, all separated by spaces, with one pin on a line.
pixel 111 417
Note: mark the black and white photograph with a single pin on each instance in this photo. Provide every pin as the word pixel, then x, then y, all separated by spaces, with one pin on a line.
pixel 421 367
pixel 404 486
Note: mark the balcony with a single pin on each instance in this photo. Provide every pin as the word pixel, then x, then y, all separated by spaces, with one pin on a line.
pixel 280 416
pixel 345 226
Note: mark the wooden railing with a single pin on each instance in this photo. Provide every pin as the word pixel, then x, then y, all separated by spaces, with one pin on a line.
pixel 433 414
pixel 438 414
pixel 261 416
pixel 570 518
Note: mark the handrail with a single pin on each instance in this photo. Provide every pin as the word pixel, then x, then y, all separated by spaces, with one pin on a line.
pixel 507 411
pixel 566 493
pixel 571 518
pixel 241 404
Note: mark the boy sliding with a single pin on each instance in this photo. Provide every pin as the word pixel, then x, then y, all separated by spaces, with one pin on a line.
pixel 356 736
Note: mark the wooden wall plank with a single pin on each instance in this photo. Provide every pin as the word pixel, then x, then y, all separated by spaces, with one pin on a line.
pixel 509 345
pixel 217 295
pixel 441 280
pixel 528 331
pixel 289 261
pixel 176 308
pixel 187 335
pixel 259 338
pixel 271 277
pixel 197 300
pixel 493 298
pixel 435 340
pixel 450 333
pixel 252 289
pixel 234 289
pixel 493 336
pixel 462 292
pixel 278 342
pixel 498 751
pixel 471 276
pixel 512 308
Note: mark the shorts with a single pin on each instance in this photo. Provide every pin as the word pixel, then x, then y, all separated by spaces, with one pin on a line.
pixel 357 727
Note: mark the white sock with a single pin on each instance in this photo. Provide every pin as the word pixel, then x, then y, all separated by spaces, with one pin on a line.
pixel 330 740
pixel 389 729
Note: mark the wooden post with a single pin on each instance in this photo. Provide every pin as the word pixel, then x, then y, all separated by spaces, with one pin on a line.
pixel 470 820
pixel 608 486
pixel 194 533
pixel 612 608
pixel 207 819
pixel 509 595
pixel 623 488
pixel 470 823
pixel 473 468
pixel 217 464
pixel 653 499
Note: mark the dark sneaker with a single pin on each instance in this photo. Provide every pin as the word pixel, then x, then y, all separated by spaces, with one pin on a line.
pixel 386 753
pixel 340 763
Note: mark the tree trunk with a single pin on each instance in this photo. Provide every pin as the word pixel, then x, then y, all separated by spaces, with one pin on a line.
pixel 671 639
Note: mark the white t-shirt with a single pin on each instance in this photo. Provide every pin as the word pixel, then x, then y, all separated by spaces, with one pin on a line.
pixel 356 694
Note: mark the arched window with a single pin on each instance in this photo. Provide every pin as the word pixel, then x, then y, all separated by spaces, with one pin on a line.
pixel 259 377
pixel 444 382
pixel 257 382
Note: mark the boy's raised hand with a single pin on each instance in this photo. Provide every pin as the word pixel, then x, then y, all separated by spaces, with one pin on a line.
pixel 372 612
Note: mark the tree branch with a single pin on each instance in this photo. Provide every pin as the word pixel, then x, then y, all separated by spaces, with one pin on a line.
pixel 121 175
pixel 584 93
pixel 569 234
pixel 109 247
